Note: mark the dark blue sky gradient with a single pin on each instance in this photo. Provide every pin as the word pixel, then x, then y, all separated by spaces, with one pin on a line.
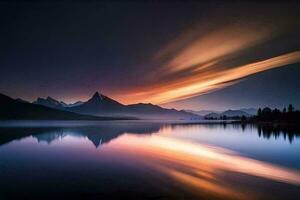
pixel 70 50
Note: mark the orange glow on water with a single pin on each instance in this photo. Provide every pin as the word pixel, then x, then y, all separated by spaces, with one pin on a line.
pixel 196 166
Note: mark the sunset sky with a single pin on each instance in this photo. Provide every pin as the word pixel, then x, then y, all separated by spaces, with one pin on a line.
pixel 215 55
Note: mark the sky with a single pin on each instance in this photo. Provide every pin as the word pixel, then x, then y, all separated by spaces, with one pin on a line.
pixel 187 55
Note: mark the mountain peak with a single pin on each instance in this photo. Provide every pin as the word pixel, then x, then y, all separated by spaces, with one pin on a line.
pixel 50 99
pixel 97 96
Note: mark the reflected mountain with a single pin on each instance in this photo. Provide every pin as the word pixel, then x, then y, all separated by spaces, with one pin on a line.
pixel 101 134
pixel 196 161
pixel 50 136
pixel 98 135
pixel 102 105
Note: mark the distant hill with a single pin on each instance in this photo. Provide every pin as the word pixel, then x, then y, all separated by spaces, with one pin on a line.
pixel 234 113
pixel 11 109
pixel 212 116
pixel 150 111
pixel 201 112
pixel 22 100
pixel 227 113
pixel 251 111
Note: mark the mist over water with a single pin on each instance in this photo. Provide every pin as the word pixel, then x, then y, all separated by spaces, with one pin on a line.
pixel 148 160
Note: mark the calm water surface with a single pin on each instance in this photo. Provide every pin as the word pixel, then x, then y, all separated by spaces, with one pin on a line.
pixel 147 160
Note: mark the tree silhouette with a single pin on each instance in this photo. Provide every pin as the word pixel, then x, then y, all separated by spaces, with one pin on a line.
pixel 290 108
pixel 284 110
pixel 266 111
pixel 268 115
pixel 259 112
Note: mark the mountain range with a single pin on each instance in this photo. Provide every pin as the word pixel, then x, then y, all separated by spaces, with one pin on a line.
pixel 101 105
pixel 52 103
pixel 247 112
pixel 11 109
pixel 227 113
pixel 98 106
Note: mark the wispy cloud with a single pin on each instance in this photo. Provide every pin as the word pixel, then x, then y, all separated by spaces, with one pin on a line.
pixel 199 62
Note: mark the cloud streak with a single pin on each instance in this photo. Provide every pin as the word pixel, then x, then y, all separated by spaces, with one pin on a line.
pixel 199 62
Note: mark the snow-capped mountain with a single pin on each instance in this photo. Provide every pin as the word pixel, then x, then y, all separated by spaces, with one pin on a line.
pixel 53 103
pixel 71 104
pixel 49 102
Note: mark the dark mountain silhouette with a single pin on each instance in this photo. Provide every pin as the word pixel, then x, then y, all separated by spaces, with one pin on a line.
pixel 22 100
pixel 101 105
pixel 11 109
pixel 150 111
pixel 98 105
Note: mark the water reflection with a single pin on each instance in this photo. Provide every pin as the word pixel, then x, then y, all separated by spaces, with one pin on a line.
pixel 179 161
pixel 102 133
pixel 288 132
pixel 98 135
pixel 266 131
pixel 200 167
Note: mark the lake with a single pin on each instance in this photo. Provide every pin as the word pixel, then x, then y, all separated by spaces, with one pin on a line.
pixel 147 160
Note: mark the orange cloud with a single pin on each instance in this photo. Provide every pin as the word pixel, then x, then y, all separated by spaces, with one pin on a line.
pixel 200 82
pixel 204 59
pixel 211 47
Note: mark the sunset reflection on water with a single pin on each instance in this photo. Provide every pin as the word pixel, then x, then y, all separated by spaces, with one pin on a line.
pixel 144 160
pixel 198 167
